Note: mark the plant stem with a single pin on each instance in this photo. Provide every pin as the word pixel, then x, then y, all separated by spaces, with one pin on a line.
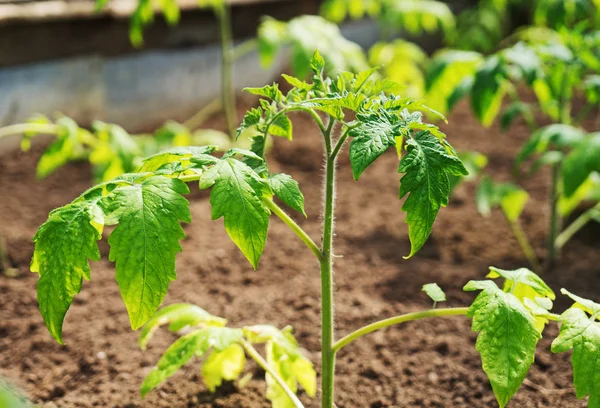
pixel 525 245
pixel 339 144
pixel 294 227
pixel 327 323
pixel 19 129
pixel 575 226
pixel 454 311
pixel 204 114
pixel 245 48
pixel 255 355
pixel 554 217
pixel 227 60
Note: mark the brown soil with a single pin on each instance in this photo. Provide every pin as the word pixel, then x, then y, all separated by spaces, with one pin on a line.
pixel 428 364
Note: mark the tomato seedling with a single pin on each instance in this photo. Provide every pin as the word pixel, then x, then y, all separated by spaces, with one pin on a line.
pixel 148 206
pixel 556 66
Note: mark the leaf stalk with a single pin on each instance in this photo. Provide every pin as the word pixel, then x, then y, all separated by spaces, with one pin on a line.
pixel 454 311
pixel 575 226
pixel 255 355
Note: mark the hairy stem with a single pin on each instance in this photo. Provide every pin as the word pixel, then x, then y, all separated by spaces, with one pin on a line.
pixel 255 355
pixel 455 311
pixel 555 220
pixel 227 60
pixel 575 226
pixel 294 227
pixel 327 323
pixel 525 245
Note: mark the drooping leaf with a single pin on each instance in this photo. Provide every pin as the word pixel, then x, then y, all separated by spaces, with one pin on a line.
pixel 507 337
pixel 519 278
pixel 587 305
pixel 284 355
pixel 180 154
pixel 146 240
pixel 434 292
pixel 426 166
pixel 236 196
pixel 196 343
pixel 375 134
pixel 63 247
pixel 178 316
pixel 288 190
pixel 582 335
pixel 223 365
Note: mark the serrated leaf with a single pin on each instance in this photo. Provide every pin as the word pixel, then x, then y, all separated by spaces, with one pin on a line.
pixel 223 365
pixel 371 138
pixel 268 91
pixel 288 190
pixel 63 247
pixel 587 305
pixel 178 316
pixel 522 277
pixel 281 127
pixel 582 335
pixel 251 119
pixel 176 154
pixel 317 63
pixel 146 240
pixel 236 196
pixel 426 166
pixel 474 162
pixel 434 292
pixel 507 337
pixel 196 343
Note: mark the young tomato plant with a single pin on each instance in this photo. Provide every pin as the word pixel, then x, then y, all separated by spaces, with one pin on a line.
pixel 148 206
pixel 557 66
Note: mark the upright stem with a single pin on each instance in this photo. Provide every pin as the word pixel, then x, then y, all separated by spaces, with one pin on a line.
pixel 575 226
pixel 327 323
pixel 227 59
pixel 555 220
pixel 525 245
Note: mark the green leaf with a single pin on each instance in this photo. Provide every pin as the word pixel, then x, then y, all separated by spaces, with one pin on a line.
pixel 317 63
pixel 487 91
pixel 525 59
pixel 512 111
pixel 178 316
pixel 268 91
pixel 474 162
pixel 288 190
pixel 196 343
pixel 426 167
pixel 176 154
pixel 522 277
pixel 551 136
pixel 434 292
pixel 283 354
pixel 580 162
pixel 63 246
pixel 587 305
pixel 146 240
pixel 580 334
pixel 507 337
pixel 237 197
pixel 62 150
pixel 509 197
pixel 250 121
pixel 225 365
pixel 375 134
pixel 281 127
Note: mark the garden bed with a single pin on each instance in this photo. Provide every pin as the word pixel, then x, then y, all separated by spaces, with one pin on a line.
pixel 432 364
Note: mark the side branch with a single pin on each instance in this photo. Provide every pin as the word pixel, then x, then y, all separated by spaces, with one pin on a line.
pixel 455 311
pixel 295 227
